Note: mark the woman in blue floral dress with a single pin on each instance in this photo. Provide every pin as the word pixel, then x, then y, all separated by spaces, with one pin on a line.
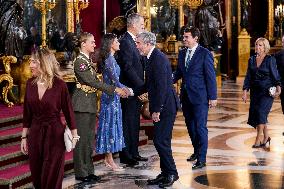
pixel 110 135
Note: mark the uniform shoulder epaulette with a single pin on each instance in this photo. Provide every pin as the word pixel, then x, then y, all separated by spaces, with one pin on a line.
pixel 82 58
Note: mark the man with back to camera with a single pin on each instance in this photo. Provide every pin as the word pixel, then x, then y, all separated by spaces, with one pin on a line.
pixel 198 92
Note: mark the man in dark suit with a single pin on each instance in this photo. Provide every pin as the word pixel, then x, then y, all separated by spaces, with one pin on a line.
pixel 132 76
pixel 163 105
pixel 198 92
pixel 280 66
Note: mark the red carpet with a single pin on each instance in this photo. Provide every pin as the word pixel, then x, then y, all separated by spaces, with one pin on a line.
pixel 6 112
pixel 11 131
pixel 14 168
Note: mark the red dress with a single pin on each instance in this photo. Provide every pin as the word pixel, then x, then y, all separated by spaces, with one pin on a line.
pixel 45 137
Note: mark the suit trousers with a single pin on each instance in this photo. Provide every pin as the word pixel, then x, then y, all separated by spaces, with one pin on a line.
pixel 196 122
pixel 162 142
pixel 83 152
pixel 131 124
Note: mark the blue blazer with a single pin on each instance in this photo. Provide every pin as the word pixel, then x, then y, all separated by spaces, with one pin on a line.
pixel 199 80
pixel 159 84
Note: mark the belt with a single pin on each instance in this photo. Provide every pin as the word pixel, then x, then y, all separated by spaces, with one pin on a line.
pixel 86 88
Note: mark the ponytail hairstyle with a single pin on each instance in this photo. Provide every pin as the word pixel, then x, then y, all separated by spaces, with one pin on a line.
pixel 82 39
pixel 48 66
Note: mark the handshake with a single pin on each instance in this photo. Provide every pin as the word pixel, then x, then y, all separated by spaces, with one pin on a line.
pixel 124 92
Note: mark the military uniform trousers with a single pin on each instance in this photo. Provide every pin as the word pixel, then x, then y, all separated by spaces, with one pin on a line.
pixel 83 162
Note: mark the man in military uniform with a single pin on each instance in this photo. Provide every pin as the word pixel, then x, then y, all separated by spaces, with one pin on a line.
pixel 85 106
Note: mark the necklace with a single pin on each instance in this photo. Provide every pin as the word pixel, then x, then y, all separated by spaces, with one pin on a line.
pixel 41 83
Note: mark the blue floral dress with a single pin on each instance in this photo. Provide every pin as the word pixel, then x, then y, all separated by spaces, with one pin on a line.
pixel 110 135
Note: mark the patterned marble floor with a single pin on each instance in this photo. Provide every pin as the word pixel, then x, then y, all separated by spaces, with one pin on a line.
pixel 231 162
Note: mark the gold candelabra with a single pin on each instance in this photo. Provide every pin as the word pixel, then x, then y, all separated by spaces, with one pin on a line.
pixel 74 6
pixel 43 6
pixel 192 4
pixel 78 6
pixel 176 3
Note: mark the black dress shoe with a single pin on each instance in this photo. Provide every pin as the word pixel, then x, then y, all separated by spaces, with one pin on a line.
pixel 198 165
pixel 83 179
pixel 168 181
pixel 192 157
pixel 94 177
pixel 140 158
pixel 130 162
pixel 159 179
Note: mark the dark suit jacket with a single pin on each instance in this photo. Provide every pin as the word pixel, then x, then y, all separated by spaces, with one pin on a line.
pixel 159 84
pixel 130 62
pixel 85 74
pixel 199 80
pixel 279 56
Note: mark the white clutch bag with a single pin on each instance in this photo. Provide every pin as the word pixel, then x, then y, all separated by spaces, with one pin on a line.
pixel 68 140
pixel 272 91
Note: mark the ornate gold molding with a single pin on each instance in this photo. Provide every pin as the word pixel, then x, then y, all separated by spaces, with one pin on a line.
pixel 181 16
pixel 7 60
pixel 70 16
pixel 78 6
pixel 243 51
pixel 270 24
pixel 143 8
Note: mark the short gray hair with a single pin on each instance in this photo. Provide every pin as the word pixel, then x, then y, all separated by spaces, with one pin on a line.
pixel 133 18
pixel 147 38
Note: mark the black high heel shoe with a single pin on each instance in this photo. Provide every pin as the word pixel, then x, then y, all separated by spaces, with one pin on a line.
pixel 257 146
pixel 267 141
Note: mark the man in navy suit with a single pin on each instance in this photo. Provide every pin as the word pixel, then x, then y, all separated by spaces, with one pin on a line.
pixel 132 76
pixel 163 105
pixel 198 92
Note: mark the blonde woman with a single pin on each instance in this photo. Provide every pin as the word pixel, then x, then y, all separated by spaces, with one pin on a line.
pixel 42 136
pixel 261 74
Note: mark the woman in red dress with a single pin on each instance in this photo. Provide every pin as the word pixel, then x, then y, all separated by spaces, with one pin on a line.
pixel 42 136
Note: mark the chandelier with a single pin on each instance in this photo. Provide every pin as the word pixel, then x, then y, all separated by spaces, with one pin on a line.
pixel 193 4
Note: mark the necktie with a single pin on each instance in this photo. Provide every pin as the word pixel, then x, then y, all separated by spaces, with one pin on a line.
pixel 188 59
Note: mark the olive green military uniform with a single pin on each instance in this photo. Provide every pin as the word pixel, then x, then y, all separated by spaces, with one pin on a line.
pixel 84 101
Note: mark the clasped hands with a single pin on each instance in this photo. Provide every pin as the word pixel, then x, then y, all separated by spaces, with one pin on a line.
pixel 123 92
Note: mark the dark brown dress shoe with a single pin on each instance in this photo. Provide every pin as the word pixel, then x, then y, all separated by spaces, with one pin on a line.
pixel 192 157
pixel 159 179
pixel 198 165
pixel 168 181
pixel 140 158
pixel 83 179
pixel 94 177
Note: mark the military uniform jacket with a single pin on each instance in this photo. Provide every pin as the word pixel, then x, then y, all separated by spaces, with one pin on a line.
pixel 86 75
